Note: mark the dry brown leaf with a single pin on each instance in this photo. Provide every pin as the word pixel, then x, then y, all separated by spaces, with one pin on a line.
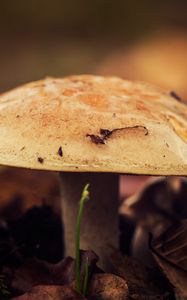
pixel 108 287
pixel 143 282
pixel 172 245
pixel 170 252
pixel 51 293
pixel 36 272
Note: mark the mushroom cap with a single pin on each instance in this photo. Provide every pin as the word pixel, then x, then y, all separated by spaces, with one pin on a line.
pixel 93 124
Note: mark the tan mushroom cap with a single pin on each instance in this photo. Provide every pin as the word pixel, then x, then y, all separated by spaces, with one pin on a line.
pixel 96 124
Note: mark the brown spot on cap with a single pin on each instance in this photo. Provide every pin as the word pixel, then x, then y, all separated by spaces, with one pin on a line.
pixel 96 139
pixel 69 92
pixel 174 95
pixel 106 133
pixel 40 160
pixel 60 152
pixel 94 100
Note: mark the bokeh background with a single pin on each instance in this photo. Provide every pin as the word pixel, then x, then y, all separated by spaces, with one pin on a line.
pixel 55 38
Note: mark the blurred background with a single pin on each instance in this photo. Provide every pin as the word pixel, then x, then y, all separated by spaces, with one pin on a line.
pixel 135 39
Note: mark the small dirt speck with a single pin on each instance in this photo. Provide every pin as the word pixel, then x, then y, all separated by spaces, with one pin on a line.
pixel 174 95
pixel 60 152
pixel 96 139
pixel 40 160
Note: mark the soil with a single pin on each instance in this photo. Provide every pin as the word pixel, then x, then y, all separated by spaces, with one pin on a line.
pixel 32 265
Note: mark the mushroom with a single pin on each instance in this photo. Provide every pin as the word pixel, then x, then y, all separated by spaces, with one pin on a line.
pixel 90 129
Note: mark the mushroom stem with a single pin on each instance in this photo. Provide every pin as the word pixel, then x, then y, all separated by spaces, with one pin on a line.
pixel 99 230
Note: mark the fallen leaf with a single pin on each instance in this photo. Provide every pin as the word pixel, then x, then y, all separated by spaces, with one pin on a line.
pixel 172 245
pixel 160 197
pixel 34 272
pixel 92 258
pixel 107 287
pixel 170 252
pixel 37 272
pixel 51 293
pixel 143 282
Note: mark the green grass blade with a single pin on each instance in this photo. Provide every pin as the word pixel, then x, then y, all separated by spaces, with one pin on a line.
pixel 83 200
pixel 86 277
